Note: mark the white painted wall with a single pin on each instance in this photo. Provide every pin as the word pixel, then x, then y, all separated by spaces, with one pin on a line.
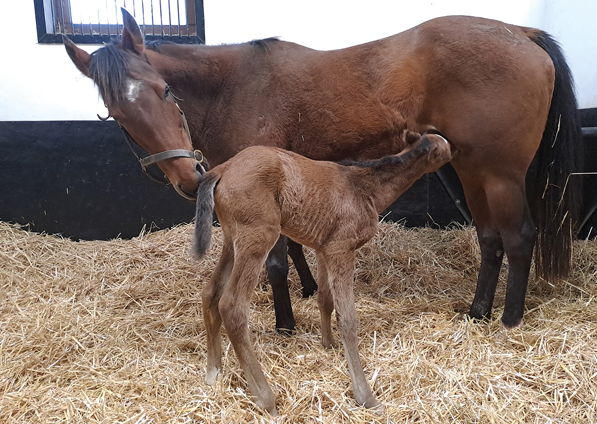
pixel 39 82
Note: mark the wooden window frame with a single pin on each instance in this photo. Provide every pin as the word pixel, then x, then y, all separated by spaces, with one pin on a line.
pixel 53 19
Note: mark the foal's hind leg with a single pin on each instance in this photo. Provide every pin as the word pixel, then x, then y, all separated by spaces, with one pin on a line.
pixel 295 251
pixel 277 272
pixel 325 301
pixel 251 250
pixel 340 267
pixel 211 295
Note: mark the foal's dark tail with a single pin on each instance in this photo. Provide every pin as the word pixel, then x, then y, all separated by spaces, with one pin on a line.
pixel 557 199
pixel 204 214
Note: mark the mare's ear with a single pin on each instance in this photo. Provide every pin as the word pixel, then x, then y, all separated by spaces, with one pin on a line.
pixel 132 39
pixel 411 137
pixel 79 57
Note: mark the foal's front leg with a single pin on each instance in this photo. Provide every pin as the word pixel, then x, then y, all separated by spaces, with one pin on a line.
pixel 340 266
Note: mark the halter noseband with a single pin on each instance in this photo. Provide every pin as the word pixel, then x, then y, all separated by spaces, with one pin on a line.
pixel 168 154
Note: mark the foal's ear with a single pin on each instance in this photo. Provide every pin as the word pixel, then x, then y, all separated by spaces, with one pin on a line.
pixel 411 137
pixel 79 56
pixel 132 39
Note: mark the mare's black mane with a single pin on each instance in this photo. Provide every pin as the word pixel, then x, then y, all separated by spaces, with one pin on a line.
pixel 108 70
pixel 108 67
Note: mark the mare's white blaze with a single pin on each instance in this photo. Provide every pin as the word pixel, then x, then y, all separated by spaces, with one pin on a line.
pixel 132 90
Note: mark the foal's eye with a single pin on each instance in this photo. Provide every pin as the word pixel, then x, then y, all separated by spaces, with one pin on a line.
pixel 166 92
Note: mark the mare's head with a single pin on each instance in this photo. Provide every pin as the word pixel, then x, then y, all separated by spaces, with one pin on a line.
pixel 139 99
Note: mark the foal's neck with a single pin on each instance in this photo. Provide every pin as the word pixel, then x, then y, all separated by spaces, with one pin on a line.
pixel 386 179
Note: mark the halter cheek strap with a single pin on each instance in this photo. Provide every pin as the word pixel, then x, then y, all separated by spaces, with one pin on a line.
pixel 168 154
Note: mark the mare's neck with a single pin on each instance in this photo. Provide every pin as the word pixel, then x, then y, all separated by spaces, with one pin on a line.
pixel 198 75
pixel 197 69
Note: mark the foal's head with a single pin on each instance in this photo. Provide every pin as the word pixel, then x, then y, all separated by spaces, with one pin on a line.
pixel 140 100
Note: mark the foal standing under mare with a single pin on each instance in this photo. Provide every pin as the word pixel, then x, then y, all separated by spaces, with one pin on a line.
pixel 332 208
pixel 502 94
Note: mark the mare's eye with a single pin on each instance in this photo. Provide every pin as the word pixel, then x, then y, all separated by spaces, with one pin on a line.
pixel 166 92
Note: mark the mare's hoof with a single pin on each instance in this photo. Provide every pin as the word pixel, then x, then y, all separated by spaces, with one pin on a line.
pixel 285 331
pixel 479 320
pixel 309 290
pixel 511 324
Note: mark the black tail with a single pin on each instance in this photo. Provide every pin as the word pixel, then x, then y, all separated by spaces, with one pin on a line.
pixel 556 203
pixel 204 214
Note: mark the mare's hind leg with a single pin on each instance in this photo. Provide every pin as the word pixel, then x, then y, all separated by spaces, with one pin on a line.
pixel 503 217
pixel 211 295
pixel 277 272
pixel 340 266
pixel 251 249
pixel 295 251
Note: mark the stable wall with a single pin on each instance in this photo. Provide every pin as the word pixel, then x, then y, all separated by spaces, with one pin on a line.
pixel 39 82
pixel 63 171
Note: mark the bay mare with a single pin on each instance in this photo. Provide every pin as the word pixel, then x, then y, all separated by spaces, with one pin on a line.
pixel 501 94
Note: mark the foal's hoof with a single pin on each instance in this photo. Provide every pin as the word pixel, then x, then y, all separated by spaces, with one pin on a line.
pixel 269 406
pixel 211 377
pixel 372 403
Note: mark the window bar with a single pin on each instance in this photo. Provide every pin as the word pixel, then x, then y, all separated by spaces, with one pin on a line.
pixel 161 19
pixel 90 22
pixel 70 18
pixel 187 12
pixel 116 9
pixel 81 20
pixel 152 21
pixel 143 14
pixel 169 19
pixel 99 21
pixel 53 18
pixel 178 15
pixel 63 29
pixel 108 19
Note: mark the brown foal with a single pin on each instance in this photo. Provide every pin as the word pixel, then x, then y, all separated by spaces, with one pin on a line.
pixel 332 208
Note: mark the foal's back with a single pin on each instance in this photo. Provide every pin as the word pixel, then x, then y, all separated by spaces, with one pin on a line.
pixel 305 199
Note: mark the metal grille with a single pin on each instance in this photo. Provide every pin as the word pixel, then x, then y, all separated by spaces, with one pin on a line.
pixel 93 21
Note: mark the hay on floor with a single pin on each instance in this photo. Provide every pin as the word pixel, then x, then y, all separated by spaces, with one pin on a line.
pixel 111 331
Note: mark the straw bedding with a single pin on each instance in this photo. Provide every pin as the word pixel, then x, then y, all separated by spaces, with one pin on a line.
pixel 111 331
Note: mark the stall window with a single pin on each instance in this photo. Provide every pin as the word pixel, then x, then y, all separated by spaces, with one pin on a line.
pixel 100 21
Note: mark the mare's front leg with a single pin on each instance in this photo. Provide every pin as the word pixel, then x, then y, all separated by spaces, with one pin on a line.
pixel 340 266
pixel 212 292
pixel 295 251
pixel 277 272
pixel 251 248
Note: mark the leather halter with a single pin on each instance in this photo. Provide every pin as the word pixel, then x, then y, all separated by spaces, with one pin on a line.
pixel 168 154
